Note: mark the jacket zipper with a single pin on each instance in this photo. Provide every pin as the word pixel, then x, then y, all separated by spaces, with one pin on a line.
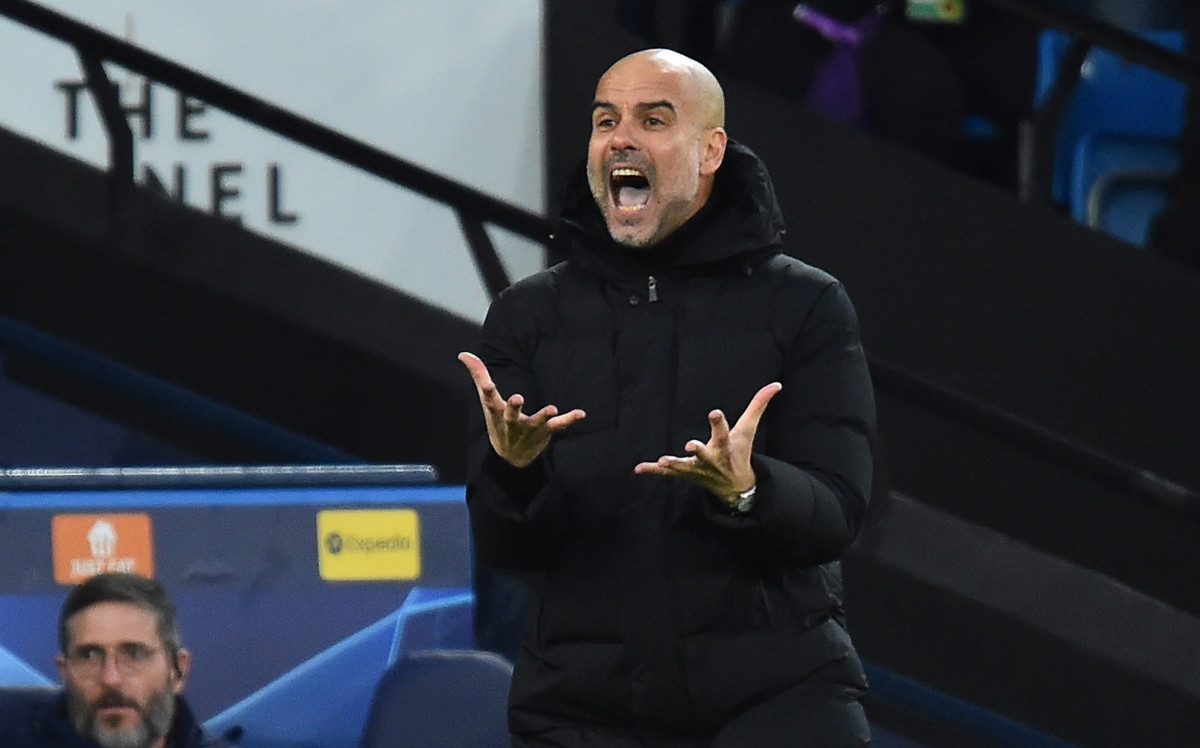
pixel 652 289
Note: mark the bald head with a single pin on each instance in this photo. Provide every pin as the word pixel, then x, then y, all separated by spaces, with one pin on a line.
pixel 658 138
pixel 699 87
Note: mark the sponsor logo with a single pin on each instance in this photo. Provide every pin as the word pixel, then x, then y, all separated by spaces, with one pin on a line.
pixel 89 544
pixel 357 545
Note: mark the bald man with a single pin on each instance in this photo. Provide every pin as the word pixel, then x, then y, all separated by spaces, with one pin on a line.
pixel 674 436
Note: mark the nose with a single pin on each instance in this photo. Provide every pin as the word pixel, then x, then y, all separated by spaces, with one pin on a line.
pixel 109 672
pixel 623 136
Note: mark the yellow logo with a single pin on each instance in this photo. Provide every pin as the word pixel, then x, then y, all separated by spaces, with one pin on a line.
pixel 355 545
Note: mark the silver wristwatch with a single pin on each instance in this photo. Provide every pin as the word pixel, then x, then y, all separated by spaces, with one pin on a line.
pixel 744 500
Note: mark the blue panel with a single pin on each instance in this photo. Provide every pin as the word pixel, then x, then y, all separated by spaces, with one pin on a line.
pixel 16 672
pixel 242 566
pixel 324 701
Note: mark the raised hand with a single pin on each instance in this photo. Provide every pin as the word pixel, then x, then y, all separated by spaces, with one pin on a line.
pixel 518 438
pixel 722 466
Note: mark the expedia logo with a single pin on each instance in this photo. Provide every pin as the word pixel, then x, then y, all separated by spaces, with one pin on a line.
pixel 369 544
pixel 333 542
pixel 336 543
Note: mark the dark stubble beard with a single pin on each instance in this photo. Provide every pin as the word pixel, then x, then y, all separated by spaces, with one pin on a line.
pixel 156 720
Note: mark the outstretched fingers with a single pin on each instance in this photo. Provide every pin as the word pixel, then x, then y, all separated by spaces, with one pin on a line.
pixel 718 442
pixel 668 465
pixel 758 405
pixel 516 436
pixel 720 428
pixel 722 465
pixel 489 396
pixel 512 408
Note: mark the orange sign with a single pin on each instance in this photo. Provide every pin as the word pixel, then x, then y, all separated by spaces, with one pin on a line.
pixel 89 544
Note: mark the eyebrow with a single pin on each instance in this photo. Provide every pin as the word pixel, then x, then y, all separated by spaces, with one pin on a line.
pixel 78 646
pixel 649 106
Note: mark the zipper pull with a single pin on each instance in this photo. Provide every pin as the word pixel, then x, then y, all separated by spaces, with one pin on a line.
pixel 652 289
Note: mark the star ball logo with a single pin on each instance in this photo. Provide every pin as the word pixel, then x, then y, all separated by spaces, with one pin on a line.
pixel 377 544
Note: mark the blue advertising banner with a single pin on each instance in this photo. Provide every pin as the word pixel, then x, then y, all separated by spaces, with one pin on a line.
pixel 292 594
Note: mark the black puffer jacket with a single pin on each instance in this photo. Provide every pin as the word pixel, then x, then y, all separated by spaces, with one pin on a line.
pixel 658 609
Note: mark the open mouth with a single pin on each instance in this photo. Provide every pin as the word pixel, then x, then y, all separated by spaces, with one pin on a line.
pixel 630 189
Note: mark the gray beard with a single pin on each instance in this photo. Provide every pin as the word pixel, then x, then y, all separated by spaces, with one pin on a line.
pixel 156 722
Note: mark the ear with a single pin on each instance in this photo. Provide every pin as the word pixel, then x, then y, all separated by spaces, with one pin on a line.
pixel 61 662
pixel 712 151
pixel 183 663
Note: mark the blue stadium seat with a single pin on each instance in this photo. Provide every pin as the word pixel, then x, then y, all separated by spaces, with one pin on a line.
pixel 441 699
pixel 1112 96
pixel 1119 183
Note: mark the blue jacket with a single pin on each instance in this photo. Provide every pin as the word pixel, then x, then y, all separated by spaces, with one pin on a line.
pixel 37 718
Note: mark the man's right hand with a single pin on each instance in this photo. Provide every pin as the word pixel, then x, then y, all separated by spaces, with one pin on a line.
pixel 518 438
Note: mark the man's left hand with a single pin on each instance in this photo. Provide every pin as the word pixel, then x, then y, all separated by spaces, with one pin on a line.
pixel 722 466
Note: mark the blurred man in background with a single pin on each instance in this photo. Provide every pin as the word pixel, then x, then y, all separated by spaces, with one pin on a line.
pixel 123 669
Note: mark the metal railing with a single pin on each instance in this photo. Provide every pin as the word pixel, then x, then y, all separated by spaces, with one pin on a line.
pixel 215 476
pixel 1038 440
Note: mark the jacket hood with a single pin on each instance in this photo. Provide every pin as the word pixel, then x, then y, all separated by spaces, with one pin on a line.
pixel 741 223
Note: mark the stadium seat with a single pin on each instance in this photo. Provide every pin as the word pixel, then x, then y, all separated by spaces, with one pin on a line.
pixel 1119 183
pixel 441 699
pixel 1112 96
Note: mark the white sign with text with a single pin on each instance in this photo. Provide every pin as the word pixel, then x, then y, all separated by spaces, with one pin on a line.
pixel 451 85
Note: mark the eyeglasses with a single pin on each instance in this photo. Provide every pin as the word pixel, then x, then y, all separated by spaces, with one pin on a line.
pixel 130 658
